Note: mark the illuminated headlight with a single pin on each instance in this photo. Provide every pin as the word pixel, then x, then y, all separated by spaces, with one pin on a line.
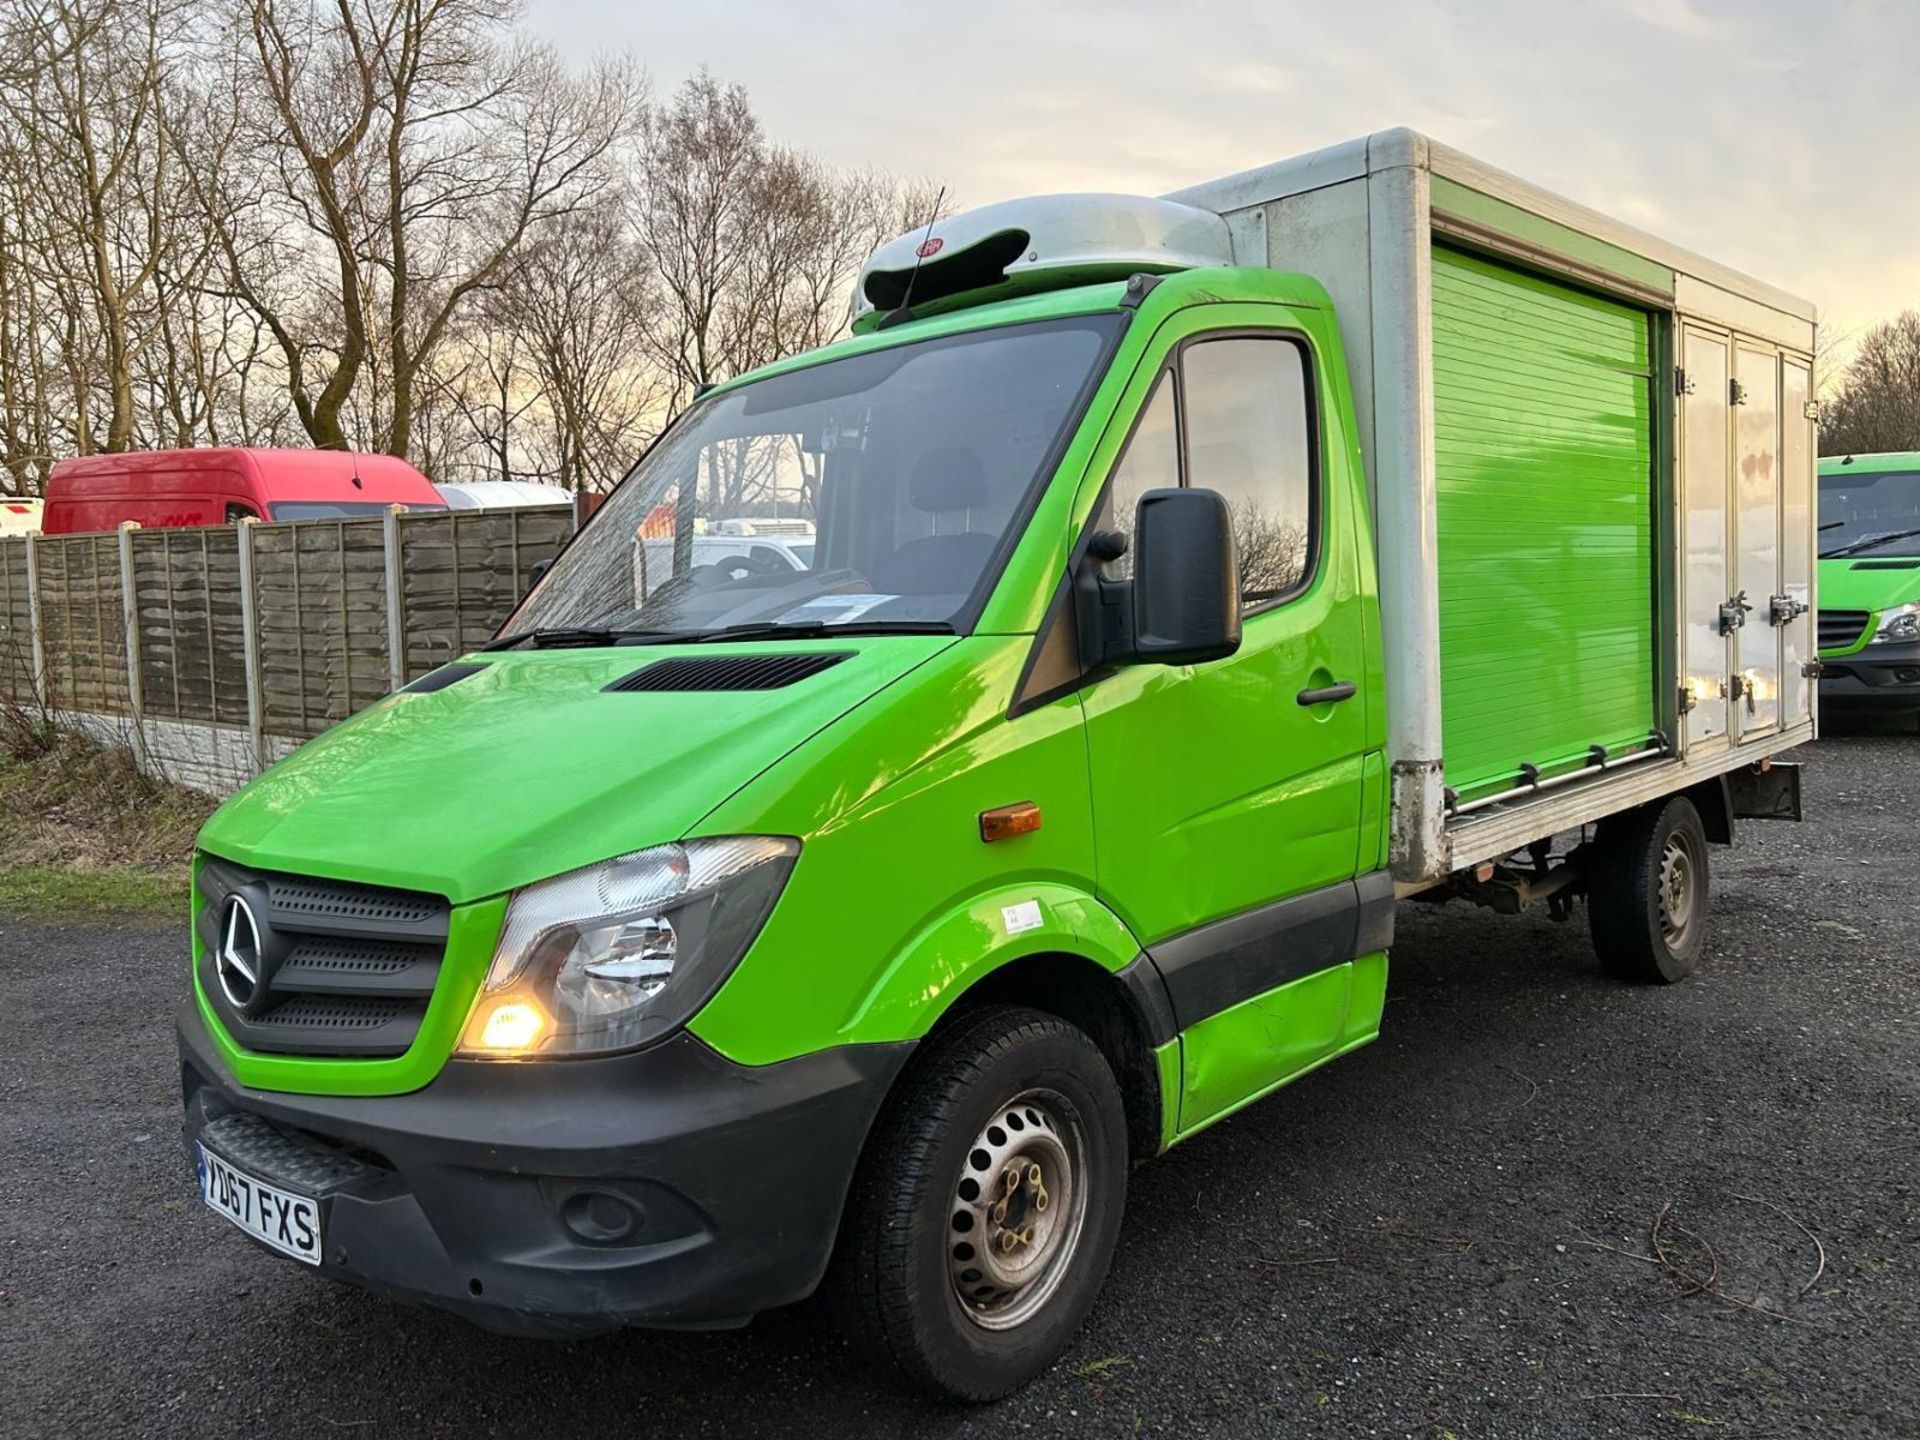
pixel 1899 622
pixel 615 955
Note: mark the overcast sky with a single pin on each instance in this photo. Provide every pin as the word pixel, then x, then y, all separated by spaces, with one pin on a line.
pixel 1778 136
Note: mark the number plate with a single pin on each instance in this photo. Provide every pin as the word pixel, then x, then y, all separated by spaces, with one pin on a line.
pixel 289 1223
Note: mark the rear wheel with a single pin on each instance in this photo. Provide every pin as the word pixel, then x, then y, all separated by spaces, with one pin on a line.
pixel 1647 892
pixel 984 1214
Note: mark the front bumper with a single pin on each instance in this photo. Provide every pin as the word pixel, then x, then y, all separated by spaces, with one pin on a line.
pixel 1885 676
pixel 668 1188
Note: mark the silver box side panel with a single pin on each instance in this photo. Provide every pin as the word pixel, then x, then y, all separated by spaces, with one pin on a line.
pixel 1315 222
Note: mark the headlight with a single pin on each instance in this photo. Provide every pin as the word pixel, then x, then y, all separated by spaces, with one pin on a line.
pixel 612 956
pixel 1899 622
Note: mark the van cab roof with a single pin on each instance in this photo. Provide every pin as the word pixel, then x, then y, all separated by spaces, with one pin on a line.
pixel 955 316
pixel 289 474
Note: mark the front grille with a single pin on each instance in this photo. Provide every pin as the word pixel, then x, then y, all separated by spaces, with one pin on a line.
pixel 343 970
pixel 1840 629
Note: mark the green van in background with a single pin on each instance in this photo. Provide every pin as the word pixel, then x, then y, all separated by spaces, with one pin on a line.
pixel 1870 583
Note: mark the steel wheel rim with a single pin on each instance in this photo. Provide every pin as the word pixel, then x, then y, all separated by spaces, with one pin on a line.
pixel 1018 1207
pixel 1679 889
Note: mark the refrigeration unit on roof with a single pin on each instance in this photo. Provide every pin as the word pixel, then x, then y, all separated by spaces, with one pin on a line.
pixel 1041 242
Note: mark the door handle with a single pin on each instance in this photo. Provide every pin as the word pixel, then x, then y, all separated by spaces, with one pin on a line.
pixel 1328 694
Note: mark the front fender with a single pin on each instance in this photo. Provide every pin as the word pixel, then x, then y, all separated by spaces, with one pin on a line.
pixel 947 957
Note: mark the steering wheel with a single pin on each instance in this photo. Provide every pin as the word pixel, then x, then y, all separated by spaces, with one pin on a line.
pixel 730 569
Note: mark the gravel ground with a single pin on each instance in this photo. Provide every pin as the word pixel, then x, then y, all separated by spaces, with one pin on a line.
pixel 1443 1235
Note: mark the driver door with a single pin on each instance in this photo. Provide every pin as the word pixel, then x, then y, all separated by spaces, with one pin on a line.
pixel 1228 796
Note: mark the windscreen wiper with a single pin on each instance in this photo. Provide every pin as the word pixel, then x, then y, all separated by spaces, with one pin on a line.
pixel 558 637
pixel 1869 543
pixel 811 630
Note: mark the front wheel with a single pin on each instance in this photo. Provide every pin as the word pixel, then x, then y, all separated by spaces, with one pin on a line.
pixel 985 1211
pixel 1647 892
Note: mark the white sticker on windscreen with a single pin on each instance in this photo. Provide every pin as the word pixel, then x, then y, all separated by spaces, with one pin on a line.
pixel 833 609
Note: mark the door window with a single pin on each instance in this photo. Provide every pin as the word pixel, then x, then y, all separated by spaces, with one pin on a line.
pixel 1237 410
pixel 1246 420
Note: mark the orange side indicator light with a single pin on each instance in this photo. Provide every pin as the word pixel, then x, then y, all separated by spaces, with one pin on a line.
pixel 1003 822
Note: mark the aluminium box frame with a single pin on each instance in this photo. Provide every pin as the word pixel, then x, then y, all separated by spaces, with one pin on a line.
pixel 1362 217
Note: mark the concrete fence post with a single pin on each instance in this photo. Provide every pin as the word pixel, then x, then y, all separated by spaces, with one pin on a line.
pixel 396 600
pixel 36 630
pixel 250 645
pixel 130 618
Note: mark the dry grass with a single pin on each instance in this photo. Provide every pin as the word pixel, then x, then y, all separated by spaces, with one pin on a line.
pixel 84 831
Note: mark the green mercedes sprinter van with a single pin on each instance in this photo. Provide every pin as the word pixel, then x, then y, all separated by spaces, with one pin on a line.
pixel 1870 583
pixel 725 929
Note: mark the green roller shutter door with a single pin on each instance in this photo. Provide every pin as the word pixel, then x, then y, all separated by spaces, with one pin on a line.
pixel 1543 439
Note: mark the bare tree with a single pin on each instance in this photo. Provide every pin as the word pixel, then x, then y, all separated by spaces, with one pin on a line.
pixel 88 103
pixel 26 440
pixel 408 149
pixel 581 300
pixel 394 224
pixel 1876 405
pixel 481 150
pixel 804 234
pixel 701 168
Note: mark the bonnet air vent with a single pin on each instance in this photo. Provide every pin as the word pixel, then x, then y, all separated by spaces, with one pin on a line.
pixel 730 672
pixel 439 679
pixel 1886 564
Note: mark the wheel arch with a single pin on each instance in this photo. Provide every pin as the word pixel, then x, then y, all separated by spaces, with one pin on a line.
pixel 1125 1013
pixel 1713 799
pixel 1079 962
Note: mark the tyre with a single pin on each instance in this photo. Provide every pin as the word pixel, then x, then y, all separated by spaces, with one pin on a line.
pixel 1647 892
pixel 984 1213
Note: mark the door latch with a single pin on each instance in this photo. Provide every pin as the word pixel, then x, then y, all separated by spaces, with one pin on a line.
pixel 1737 686
pixel 1734 612
pixel 1785 609
pixel 1736 393
pixel 1687 702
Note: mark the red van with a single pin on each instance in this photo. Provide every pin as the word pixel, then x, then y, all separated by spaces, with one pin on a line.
pixel 219 486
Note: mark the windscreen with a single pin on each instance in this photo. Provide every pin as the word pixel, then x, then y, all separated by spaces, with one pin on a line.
pixel 880 489
pixel 1865 514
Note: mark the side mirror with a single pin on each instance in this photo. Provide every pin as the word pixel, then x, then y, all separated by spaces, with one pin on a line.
pixel 1186 578
pixel 1182 606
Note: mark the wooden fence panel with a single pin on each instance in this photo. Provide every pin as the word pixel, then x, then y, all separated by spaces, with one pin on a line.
pixel 192 646
pixel 16 634
pixel 83 627
pixel 320 604
pixel 463 572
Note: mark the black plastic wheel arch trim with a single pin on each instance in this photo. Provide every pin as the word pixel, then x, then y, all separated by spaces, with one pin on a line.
pixel 1225 962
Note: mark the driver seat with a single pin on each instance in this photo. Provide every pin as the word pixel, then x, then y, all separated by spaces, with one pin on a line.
pixel 946 481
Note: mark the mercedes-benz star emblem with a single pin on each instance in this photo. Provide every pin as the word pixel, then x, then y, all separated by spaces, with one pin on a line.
pixel 238 961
